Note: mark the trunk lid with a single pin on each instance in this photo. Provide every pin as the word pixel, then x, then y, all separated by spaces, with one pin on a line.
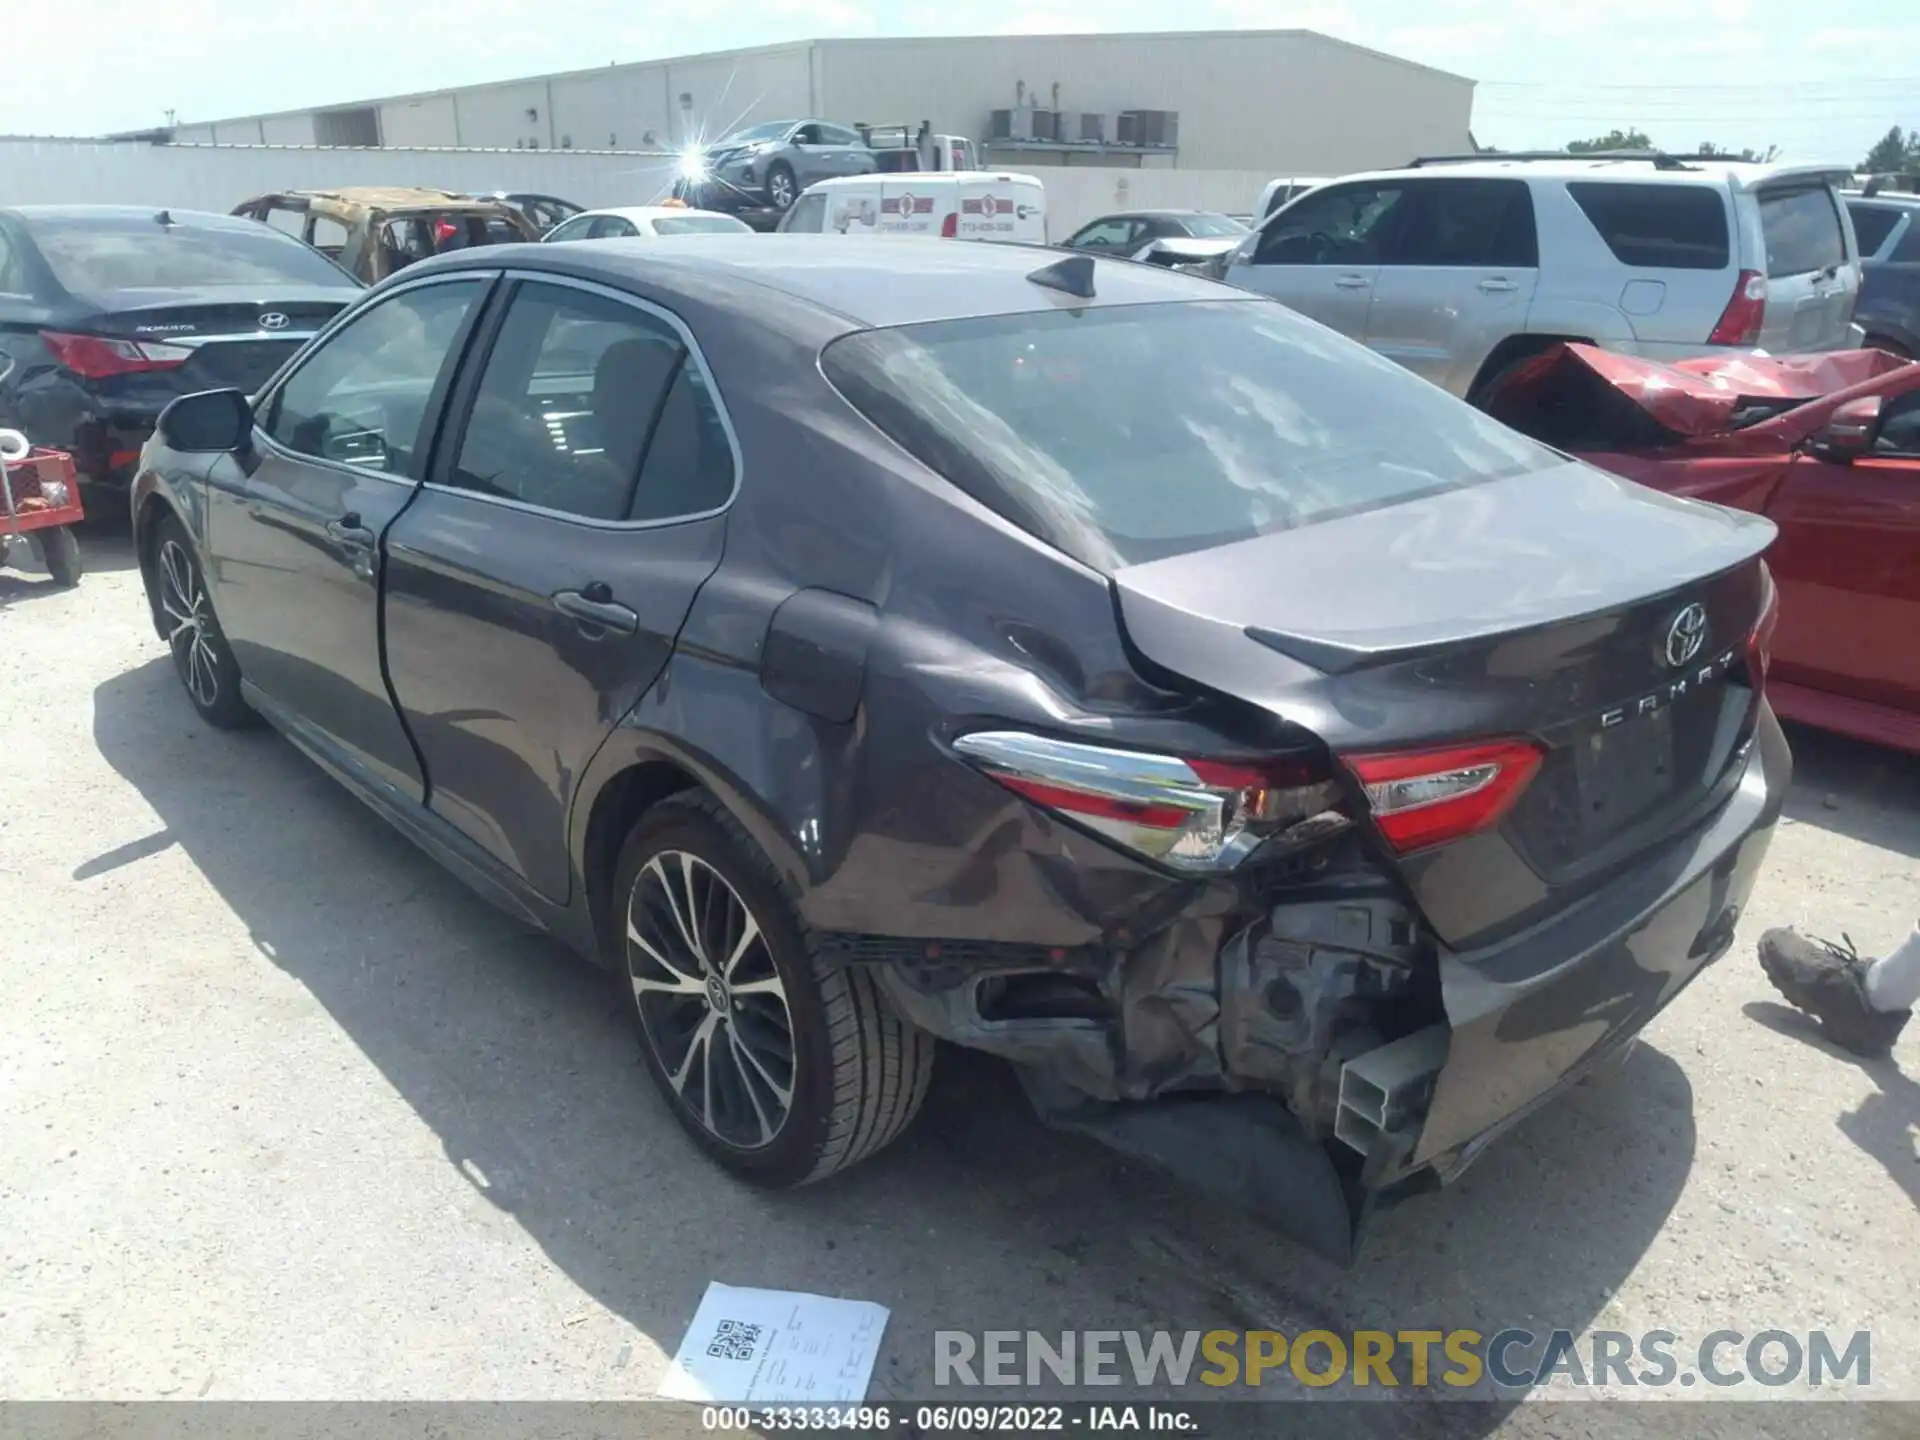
pixel 1540 606
pixel 238 339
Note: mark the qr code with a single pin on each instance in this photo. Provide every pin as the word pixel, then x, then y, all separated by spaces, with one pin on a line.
pixel 734 1340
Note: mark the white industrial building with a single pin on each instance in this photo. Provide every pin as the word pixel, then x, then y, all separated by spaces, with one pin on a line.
pixel 1272 101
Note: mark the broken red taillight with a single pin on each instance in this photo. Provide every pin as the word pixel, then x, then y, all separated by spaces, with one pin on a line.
pixel 950 227
pixel 1189 814
pixel 1427 797
pixel 96 357
pixel 1741 321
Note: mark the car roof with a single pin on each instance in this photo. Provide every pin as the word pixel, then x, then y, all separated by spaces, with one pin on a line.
pixel 201 219
pixel 653 212
pixel 1739 174
pixel 865 281
pixel 386 198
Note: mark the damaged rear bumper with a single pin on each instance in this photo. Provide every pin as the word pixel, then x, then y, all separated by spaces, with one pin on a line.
pixel 1320 1057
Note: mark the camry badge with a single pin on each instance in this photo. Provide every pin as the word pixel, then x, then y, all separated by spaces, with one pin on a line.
pixel 1687 634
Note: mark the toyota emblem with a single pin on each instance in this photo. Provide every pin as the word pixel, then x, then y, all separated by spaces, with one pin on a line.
pixel 273 320
pixel 1686 634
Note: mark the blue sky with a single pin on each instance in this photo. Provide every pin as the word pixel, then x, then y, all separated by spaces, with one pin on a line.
pixel 1819 80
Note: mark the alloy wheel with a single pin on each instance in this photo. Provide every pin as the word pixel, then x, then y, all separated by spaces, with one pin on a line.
pixel 185 602
pixel 710 999
pixel 780 189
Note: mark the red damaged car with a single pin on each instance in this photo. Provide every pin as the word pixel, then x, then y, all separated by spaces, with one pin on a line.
pixel 1825 446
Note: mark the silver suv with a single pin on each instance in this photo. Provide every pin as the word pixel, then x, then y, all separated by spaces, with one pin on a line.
pixel 1459 267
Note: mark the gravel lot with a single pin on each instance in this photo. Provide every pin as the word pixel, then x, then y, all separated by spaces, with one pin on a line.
pixel 286 1113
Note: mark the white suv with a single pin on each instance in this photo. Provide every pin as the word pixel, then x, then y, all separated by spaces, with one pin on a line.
pixel 1459 267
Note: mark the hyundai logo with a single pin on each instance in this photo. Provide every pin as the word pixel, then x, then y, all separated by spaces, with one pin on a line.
pixel 273 320
pixel 1686 634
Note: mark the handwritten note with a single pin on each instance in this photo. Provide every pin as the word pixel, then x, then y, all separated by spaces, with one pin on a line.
pixel 776 1346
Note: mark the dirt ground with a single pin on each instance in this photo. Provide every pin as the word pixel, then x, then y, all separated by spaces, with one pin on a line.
pixel 285 1112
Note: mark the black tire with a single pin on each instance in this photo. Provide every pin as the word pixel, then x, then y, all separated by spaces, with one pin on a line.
pixel 857 1071
pixel 60 553
pixel 781 189
pixel 201 657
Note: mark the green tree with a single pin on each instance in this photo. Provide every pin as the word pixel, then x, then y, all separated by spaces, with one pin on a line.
pixel 1707 147
pixel 1612 140
pixel 1895 150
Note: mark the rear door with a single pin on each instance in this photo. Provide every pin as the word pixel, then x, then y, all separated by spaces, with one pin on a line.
pixel 910 203
pixel 1848 566
pixel 1322 256
pixel 1457 277
pixel 341 444
pixel 1813 279
pixel 535 587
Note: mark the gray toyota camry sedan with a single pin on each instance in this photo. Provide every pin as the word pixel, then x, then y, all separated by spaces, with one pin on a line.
pixel 856 643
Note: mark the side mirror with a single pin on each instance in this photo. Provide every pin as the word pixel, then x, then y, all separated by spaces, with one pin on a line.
pixel 1850 431
pixel 209 423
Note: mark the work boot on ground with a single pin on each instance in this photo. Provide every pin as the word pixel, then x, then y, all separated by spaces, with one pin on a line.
pixel 1828 982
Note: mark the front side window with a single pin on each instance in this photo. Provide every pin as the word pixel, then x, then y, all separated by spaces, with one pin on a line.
pixel 612 227
pixel 834 135
pixel 1073 425
pixel 1213 227
pixel 1344 225
pixel 1659 227
pixel 1110 234
pixel 808 215
pixel 578 390
pixel 361 396
pixel 1802 230
pixel 1872 224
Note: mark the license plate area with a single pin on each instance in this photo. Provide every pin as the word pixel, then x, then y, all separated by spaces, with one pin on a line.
pixel 1622 772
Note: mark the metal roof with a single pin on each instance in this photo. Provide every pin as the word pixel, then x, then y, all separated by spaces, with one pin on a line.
pixel 867 280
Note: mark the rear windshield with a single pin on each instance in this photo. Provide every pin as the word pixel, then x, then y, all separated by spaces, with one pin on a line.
pixel 1871 225
pixel 1658 227
pixel 1213 227
pixel 698 225
pixel 96 256
pixel 1132 433
pixel 1802 229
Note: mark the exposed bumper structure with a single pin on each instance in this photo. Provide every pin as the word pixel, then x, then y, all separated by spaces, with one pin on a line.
pixel 1323 1055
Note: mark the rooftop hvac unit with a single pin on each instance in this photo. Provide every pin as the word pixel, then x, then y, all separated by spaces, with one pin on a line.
pixel 1015 124
pixel 1093 128
pixel 1046 124
pixel 1160 128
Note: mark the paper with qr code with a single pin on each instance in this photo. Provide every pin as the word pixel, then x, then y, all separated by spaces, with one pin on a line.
pixel 776 1347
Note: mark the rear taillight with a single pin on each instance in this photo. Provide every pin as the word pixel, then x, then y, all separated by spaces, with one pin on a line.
pixel 1189 814
pixel 1740 322
pixel 1760 639
pixel 1428 797
pixel 95 357
pixel 950 227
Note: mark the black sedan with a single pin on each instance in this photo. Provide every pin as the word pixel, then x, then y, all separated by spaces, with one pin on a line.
pixel 109 312
pixel 1296 774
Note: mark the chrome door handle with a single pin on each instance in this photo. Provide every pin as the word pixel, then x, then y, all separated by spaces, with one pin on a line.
pixel 1498 285
pixel 348 531
pixel 1351 282
pixel 595 606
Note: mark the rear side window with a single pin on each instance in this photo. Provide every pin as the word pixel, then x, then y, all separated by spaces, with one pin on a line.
pixel 97 256
pixel 1467 223
pixel 1802 230
pixel 1907 252
pixel 1658 227
pixel 1871 226
pixel 1073 425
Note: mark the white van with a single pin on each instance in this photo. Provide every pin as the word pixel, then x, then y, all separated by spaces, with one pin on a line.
pixel 967 205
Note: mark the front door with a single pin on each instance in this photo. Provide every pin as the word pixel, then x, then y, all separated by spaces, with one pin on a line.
pixel 535 588
pixel 1457 278
pixel 1848 566
pixel 1322 255
pixel 340 445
